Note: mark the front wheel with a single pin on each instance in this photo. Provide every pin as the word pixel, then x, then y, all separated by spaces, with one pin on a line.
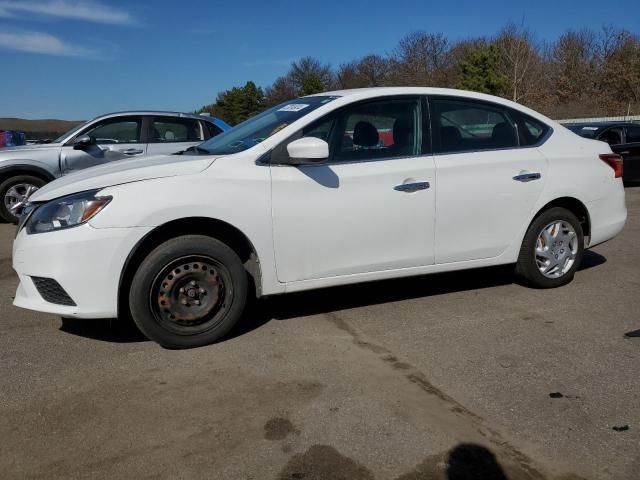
pixel 188 292
pixel 551 250
pixel 15 191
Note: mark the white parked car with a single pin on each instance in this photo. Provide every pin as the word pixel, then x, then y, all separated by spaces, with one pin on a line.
pixel 325 190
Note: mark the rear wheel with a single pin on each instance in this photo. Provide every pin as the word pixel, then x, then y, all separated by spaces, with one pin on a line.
pixel 188 292
pixel 14 192
pixel 552 249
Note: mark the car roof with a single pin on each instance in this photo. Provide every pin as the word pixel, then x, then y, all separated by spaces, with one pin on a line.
pixel 599 125
pixel 373 92
pixel 156 113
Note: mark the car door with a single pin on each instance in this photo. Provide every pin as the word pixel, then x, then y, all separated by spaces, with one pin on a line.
pixel 115 138
pixel 168 135
pixel 370 207
pixel 487 182
pixel 630 151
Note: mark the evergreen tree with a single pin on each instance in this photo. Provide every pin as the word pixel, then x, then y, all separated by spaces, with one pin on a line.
pixel 480 71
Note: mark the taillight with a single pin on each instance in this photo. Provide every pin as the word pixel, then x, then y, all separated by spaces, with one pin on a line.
pixel 614 161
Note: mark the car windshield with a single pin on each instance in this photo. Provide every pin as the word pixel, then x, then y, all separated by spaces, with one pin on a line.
pixel 61 138
pixel 256 129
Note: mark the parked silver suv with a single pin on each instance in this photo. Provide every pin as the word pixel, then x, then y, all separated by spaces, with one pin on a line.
pixel 106 138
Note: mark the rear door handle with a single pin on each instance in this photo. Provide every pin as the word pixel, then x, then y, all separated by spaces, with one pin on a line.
pixel 131 151
pixel 527 177
pixel 412 187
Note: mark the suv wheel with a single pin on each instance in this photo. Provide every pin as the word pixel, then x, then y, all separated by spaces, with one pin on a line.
pixel 190 291
pixel 552 249
pixel 14 193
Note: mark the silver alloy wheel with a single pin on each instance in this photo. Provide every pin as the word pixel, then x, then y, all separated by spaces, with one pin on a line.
pixel 17 196
pixel 556 249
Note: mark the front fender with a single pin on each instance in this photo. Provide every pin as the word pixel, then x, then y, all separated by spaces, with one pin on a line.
pixel 240 197
pixel 17 166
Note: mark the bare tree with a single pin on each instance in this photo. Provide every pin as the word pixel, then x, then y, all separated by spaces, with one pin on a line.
pixel 309 75
pixel 370 71
pixel 574 66
pixel 620 69
pixel 521 60
pixel 421 59
pixel 281 91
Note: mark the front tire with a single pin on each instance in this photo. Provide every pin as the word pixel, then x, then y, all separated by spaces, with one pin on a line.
pixel 552 249
pixel 14 192
pixel 188 292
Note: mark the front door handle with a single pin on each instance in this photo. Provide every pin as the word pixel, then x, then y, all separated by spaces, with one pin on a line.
pixel 131 151
pixel 527 177
pixel 412 187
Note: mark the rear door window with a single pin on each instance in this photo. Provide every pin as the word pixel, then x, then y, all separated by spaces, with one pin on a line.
pixel 462 126
pixel 613 136
pixel 633 134
pixel 171 130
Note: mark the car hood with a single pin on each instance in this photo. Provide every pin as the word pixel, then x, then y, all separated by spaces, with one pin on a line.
pixel 28 148
pixel 123 171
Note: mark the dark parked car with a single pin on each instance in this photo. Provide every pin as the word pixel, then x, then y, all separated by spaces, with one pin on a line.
pixel 624 139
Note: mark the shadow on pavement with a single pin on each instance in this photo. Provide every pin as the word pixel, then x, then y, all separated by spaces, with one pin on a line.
pixel 591 259
pixel 314 302
pixel 104 329
pixel 466 461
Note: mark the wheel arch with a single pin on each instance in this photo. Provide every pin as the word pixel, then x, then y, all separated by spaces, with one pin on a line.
pixel 575 206
pixel 230 235
pixel 13 170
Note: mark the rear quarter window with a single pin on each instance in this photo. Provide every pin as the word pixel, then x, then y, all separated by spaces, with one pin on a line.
pixel 530 131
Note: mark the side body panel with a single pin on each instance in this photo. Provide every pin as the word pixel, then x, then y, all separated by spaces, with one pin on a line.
pixel 339 219
pixel 481 207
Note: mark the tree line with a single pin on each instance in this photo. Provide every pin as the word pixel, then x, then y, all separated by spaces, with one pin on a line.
pixel 582 73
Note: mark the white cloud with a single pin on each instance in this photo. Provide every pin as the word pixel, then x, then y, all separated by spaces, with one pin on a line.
pixel 87 10
pixel 38 42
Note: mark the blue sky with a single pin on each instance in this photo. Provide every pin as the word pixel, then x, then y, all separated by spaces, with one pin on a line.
pixel 74 59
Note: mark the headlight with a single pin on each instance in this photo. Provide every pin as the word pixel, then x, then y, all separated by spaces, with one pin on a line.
pixel 65 212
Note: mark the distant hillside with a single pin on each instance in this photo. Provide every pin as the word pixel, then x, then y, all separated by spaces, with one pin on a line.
pixel 38 129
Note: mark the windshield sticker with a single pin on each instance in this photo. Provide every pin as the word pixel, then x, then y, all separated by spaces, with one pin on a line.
pixel 293 107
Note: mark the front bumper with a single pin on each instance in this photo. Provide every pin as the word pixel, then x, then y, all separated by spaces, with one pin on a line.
pixel 85 261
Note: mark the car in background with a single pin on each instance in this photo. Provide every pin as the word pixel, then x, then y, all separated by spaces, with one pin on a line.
pixel 114 136
pixel 622 137
pixel 311 194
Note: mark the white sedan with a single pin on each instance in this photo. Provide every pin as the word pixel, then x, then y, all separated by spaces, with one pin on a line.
pixel 342 187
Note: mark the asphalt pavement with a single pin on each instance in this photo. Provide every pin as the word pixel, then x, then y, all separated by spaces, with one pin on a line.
pixel 425 378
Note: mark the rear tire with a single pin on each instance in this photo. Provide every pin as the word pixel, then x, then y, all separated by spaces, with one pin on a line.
pixel 188 292
pixel 14 191
pixel 552 249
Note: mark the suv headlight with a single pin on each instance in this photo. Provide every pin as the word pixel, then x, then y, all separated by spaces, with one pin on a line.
pixel 65 212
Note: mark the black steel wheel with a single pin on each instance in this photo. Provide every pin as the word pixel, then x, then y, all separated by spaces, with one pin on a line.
pixel 188 292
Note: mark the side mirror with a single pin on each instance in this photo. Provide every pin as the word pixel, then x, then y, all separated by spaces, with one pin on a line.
pixel 83 142
pixel 308 150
